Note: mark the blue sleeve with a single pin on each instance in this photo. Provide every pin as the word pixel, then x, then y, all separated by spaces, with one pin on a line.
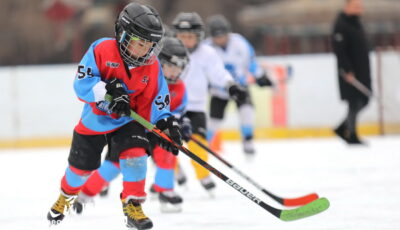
pixel 88 75
pixel 160 108
pixel 181 108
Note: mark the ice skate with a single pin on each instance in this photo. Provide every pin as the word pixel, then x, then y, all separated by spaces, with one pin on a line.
pixel 208 185
pixel 81 202
pixel 135 218
pixel 170 201
pixel 248 147
pixel 104 191
pixel 354 140
pixel 343 133
pixel 60 208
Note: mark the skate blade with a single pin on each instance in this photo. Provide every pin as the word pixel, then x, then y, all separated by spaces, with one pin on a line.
pixel 54 224
pixel 170 208
pixel 128 226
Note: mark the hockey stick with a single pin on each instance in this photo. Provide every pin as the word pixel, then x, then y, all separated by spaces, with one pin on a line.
pixel 307 210
pixel 284 201
pixel 368 93
pixel 362 88
pixel 357 84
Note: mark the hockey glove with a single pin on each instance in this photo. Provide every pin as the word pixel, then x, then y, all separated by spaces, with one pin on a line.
pixel 264 81
pixel 120 103
pixel 237 93
pixel 186 128
pixel 170 127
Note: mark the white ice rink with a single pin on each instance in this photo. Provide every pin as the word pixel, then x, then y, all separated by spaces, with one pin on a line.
pixel 362 184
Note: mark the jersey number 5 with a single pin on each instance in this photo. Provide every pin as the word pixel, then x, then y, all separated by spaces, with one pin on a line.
pixel 82 74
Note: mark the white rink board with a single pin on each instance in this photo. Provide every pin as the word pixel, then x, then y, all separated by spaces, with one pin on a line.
pixel 40 101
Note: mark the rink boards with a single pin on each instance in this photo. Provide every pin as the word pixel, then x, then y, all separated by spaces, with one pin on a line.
pixel 42 108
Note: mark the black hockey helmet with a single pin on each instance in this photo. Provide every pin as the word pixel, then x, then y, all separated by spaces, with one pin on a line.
pixel 189 22
pixel 218 25
pixel 139 22
pixel 174 53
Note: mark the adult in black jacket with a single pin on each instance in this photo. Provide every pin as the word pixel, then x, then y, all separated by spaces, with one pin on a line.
pixel 351 49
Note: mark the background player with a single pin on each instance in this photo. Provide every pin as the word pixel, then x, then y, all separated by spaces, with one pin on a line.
pixel 240 60
pixel 205 68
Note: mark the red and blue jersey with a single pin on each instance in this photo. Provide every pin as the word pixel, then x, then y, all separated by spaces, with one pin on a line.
pixel 179 99
pixel 146 86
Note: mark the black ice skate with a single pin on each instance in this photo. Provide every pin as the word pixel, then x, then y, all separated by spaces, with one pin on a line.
pixel 354 140
pixel 170 201
pixel 81 202
pixel 343 133
pixel 208 185
pixel 349 137
pixel 60 208
pixel 135 218
pixel 104 191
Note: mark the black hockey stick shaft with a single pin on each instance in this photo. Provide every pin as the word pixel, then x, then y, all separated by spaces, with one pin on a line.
pixel 284 201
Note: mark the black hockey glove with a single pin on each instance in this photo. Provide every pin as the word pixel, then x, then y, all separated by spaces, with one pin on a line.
pixel 264 81
pixel 170 127
pixel 237 93
pixel 120 103
pixel 186 128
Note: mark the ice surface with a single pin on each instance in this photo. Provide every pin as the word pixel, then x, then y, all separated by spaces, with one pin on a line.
pixel 362 184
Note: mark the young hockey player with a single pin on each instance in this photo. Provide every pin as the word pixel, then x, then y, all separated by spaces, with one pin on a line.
pixel 173 58
pixel 205 68
pixel 127 69
pixel 239 59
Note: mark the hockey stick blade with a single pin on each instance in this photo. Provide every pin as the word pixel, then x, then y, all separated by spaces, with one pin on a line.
pixel 310 209
pixel 289 202
pixel 300 200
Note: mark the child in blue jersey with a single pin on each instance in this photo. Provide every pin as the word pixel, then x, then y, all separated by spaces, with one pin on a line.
pixel 173 58
pixel 239 59
pixel 127 69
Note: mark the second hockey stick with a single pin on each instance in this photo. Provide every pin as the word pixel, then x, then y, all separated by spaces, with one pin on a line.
pixel 284 201
pixel 310 209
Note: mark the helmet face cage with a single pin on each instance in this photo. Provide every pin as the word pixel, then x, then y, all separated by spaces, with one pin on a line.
pixel 125 44
pixel 139 32
pixel 199 33
pixel 176 64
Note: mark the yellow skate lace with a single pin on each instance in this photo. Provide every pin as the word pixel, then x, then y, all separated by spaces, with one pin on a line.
pixel 135 212
pixel 63 203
